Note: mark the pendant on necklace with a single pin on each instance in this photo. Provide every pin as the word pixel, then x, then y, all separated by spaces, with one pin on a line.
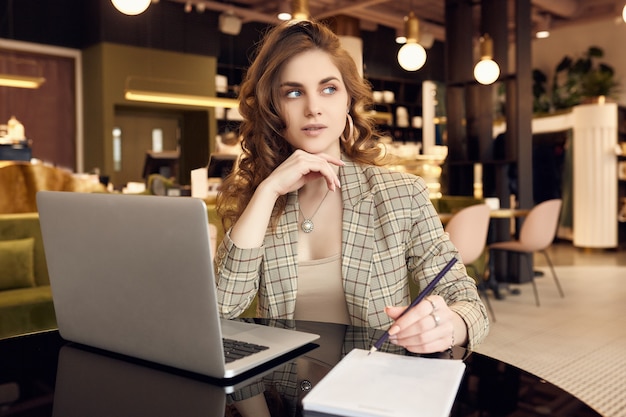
pixel 307 226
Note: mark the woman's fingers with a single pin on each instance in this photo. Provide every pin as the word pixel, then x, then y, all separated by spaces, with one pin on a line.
pixel 426 328
pixel 302 167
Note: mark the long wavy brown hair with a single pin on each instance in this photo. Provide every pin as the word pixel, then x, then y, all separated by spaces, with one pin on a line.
pixel 263 126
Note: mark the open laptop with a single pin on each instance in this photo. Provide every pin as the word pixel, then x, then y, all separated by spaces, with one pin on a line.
pixel 133 274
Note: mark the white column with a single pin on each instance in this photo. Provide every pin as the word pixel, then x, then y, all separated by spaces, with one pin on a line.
pixel 354 46
pixel 429 90
pixel 595 176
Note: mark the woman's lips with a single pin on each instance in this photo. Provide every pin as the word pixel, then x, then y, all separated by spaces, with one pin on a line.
pixel 313 130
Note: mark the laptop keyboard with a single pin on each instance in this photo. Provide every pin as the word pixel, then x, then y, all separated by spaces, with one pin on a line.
pixel 236 349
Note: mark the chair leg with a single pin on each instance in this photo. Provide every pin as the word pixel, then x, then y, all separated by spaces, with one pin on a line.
pixel 556 280
pixel 532 278
pixel 489 307
pixel 483 291
pixel 491 281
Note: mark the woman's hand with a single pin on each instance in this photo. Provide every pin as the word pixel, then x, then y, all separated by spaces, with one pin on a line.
pixel 431 326
pixel 291 175
pixel 302 167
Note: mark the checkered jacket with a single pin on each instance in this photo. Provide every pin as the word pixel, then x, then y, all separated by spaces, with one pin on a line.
pixel 391 233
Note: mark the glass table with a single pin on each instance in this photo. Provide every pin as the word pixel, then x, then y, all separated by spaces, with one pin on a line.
pixel 43 375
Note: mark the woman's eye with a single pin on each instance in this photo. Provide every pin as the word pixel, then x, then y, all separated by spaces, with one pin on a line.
pixel 329 90
pixel 293 94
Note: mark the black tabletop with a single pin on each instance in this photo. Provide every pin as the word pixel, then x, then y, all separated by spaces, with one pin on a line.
pixel 43 375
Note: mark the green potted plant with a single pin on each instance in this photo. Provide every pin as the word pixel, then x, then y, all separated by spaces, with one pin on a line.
pixel 582 80
pixel 541 100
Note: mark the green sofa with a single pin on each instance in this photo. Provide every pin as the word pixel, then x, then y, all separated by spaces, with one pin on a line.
pixel 25 296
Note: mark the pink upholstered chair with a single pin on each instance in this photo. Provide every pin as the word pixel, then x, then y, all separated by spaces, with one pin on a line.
pixel 536 235
pixel 468 230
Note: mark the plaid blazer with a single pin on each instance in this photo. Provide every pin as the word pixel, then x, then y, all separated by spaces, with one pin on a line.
pixel 391 233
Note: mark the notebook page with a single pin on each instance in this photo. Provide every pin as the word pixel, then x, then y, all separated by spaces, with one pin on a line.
pixel 385 384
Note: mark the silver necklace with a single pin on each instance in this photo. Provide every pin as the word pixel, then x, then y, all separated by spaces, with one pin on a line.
pixel 307 224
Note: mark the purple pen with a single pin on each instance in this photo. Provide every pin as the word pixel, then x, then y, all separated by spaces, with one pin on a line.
pixel 415 302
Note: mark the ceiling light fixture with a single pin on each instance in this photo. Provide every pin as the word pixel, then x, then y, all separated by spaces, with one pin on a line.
pixel 20 81
pixel 543 27
pixel 180 99
pixel 486 70
pixel 171 91
pixel 284 10
pixel 23 73
pixel 229 23
pixel 411 55
pixel 131 7
pixel 300 9
pixel 400 36
pixel 542 34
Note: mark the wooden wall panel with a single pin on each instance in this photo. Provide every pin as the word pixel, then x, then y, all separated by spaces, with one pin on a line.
pixel 47 113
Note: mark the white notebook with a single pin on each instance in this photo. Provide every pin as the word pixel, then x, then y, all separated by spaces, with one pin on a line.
pixel 386 384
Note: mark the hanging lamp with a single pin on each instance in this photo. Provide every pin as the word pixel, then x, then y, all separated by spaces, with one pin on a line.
pixel 131 7
pixel 486 70
pixel 300 10
pixel 284 10
pixel 411 55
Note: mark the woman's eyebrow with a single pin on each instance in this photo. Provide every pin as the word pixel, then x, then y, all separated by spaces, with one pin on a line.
pixel 291 84
pixel 328 79
pixel 297 84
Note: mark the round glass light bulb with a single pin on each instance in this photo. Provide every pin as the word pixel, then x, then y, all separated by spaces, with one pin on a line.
pixel 412 56
pixel 624 13
pixel 284 16
pixel 542 34
pixel 131 7
pixel 486 71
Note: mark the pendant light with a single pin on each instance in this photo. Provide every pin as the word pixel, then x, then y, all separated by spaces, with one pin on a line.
pixel 486 70
pixel 131 7
pixel 300 10
pixel 284 10
pixel 411 55
pixel 543 27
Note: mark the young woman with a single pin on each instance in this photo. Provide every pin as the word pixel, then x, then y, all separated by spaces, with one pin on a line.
pixel 317 229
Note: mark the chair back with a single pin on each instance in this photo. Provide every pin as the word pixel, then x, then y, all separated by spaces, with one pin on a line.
pixel 468 231
pixel 539 227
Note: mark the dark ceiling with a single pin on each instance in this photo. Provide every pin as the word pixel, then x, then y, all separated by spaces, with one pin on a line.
pixel 390 13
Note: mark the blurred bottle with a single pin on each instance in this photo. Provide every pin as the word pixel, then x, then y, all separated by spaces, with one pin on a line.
pixel 15 129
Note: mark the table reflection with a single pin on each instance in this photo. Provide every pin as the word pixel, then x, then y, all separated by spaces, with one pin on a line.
pixel 53 377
